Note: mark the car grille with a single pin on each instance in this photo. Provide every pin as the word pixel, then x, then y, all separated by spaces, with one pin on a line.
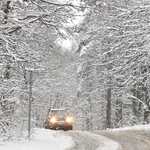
pixel 61 119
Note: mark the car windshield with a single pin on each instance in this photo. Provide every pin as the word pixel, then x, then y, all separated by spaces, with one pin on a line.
pixel 58 112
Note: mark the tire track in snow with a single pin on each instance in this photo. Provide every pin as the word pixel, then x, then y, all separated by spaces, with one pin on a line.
pixel 129 140
pixel 83 142
pixel 89 141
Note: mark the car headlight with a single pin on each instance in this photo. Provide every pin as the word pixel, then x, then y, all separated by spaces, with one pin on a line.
pixel 53 120
pixel 69 119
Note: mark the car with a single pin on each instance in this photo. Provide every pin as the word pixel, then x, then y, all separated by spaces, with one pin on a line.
pixel 59 119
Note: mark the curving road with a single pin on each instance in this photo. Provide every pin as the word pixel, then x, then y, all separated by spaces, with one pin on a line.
pixel 83 142
pixel 110 140
pixel 90 141
pixel 129 140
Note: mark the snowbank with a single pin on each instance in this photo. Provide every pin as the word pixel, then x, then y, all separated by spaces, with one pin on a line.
pixel 42 140
pixel 133 128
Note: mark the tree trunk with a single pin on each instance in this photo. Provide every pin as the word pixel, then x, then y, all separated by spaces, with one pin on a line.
pixel 108 108
pixel 118 111
pixel 146 115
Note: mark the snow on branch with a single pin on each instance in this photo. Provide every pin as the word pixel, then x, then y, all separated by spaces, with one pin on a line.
pixel 65 4
pixel 8 50
pixel 133 97
pixel 14 29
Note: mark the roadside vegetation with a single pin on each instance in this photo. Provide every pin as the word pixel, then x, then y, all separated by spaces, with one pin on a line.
pixel 91 57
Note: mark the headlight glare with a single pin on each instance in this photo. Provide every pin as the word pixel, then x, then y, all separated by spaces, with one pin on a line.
pixel 69 119
pixel 53 120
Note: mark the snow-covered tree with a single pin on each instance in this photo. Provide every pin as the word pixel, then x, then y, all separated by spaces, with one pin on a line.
pixel 115 42
pixel 28 33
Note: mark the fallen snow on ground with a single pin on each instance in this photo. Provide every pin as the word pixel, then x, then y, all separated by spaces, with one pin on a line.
pixel 42 139
pixel 105 143
pixel 133 128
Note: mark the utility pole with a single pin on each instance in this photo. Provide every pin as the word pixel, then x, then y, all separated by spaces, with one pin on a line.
pixel 30 96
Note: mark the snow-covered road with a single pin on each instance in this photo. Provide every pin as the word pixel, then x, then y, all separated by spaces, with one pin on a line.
pixel 133 138
pixel 130 140
pixel 90 141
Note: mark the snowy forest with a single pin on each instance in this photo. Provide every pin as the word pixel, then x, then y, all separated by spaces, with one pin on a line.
pixel 91 57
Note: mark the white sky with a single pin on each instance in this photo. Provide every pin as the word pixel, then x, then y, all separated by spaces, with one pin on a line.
pixel 67 43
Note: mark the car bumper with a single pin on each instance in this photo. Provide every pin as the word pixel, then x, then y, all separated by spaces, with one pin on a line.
pixel 60 125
